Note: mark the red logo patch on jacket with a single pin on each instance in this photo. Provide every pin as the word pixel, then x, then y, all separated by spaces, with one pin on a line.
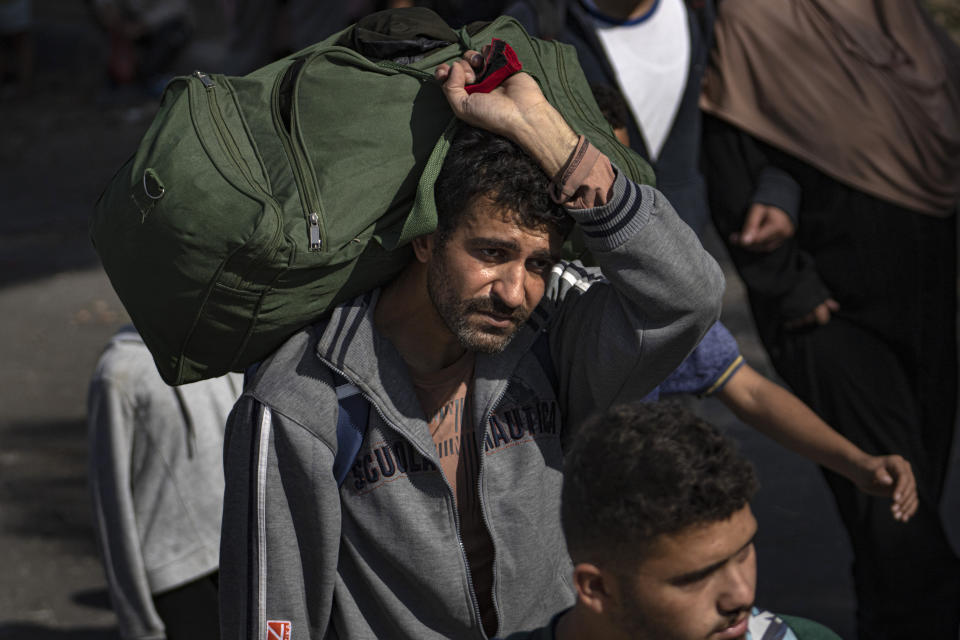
pixel 278 630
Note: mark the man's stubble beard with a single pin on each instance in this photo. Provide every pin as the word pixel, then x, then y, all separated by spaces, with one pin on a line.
pixel 456 313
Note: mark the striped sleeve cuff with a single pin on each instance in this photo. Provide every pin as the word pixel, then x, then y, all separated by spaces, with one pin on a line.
pixel 724 377
pixel 626 212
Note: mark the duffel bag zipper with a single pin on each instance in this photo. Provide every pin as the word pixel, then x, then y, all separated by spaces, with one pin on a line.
pixel 296 156
pixel 408 70
pixel 307 190
pixel 230 145
pixel 309 196
pixel 302 176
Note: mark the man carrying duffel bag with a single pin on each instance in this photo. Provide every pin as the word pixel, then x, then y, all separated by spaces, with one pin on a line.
pixel 253 205
pixel 469 369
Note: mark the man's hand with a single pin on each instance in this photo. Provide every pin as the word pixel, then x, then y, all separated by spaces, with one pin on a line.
pixel 819 316
pixel 516 110
pixel 500 111
pixel 764 230
pixel 889 477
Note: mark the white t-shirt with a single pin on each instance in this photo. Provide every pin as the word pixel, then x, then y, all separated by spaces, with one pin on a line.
pixel 651 58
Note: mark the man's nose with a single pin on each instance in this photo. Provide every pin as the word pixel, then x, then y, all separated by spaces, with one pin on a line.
pixel 510 283
pixel 738 588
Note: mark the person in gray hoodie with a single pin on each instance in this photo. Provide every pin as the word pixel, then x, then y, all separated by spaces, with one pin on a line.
pixel 474 364
pixel 156 479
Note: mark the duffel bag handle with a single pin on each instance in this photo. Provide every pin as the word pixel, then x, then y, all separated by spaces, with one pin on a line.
pixel 423 214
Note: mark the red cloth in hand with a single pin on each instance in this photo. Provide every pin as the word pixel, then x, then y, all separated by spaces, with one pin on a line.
pixel 501 63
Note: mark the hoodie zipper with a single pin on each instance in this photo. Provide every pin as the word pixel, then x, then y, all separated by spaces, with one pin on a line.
pixel 456 514
pixel 483 510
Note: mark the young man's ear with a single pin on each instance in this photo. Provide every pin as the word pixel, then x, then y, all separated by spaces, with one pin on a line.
pixel 423 246
pixel 596 588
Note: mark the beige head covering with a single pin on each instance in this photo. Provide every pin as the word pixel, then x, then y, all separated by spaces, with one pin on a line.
pixel 867 91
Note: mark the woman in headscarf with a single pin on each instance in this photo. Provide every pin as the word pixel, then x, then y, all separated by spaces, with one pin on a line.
pixel 832 157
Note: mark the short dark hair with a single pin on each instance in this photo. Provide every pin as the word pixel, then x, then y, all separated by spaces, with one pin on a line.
pixel 639 471
pixel 483 164
pixel 612 105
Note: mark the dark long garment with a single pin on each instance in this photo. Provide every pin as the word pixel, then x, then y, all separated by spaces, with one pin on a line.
pixel 191 610
pixel 883 371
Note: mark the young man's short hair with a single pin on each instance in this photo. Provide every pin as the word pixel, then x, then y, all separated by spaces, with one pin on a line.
pixel 612 105
pixel 483 164
pixel 639 471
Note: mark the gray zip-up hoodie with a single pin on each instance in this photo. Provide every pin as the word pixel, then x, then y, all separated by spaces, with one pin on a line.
pixel 381 555
pixel 156 478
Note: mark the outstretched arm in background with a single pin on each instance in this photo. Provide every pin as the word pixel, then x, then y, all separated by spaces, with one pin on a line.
pixel 777 413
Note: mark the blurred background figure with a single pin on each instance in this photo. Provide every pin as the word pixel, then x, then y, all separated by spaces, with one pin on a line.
pixel 146 36
pixel 614 109
pixel 260 31
pixel 832 158
pixel 716 368
pixel 16 43
pixel 654 52
pixel 156 476
pixel 456 13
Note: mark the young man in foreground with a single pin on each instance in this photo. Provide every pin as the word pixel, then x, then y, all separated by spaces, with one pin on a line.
pixel 447 525
pixel 661 534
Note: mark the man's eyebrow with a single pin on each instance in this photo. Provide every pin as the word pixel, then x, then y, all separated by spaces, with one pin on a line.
pixel 495 243
pixel 700 574
pixel 510 245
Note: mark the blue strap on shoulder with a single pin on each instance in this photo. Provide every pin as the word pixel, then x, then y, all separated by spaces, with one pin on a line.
pixel 249 373
pixel 352 417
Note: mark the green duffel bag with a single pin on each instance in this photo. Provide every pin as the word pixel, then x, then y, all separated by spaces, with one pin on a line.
pixel 254 204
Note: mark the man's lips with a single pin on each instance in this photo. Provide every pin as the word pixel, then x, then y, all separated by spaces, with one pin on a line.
pixel 496 319
pixel 736 630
